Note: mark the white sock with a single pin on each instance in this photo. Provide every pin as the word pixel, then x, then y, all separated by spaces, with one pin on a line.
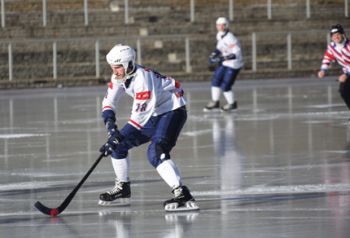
pixel 215 93
pixel 121 169
pixel 169 173
pixel 229 96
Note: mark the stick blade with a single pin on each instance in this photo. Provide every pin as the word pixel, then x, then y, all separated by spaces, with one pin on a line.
pixel 46 210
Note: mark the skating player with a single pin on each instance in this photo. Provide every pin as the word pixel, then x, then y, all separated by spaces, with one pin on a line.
pixel 228 61
pixel 338 50
pixel 158 115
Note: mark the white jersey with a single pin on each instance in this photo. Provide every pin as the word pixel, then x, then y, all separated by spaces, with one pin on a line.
pixel 153 94
pixel 228 44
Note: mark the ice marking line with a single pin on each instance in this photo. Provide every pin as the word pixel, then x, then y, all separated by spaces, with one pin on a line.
pixel 293 189
pixel 322 106
pixel 198 132
pixel 290 167
pixel 248 117
pixel 30 185
pixel 13 136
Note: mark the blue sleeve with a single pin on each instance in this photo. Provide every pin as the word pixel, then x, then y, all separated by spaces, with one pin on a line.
pixel 109 119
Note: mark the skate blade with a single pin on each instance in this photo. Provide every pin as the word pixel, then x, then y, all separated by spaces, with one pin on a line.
pixel 118 202
pixel 174 207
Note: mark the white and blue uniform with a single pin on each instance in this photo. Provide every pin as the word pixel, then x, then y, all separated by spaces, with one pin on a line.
pixel 226 73
pixel 158 112
pixel 228 44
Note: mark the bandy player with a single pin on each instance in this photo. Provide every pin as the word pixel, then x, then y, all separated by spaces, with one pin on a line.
pixel 338 50
pixel 158 115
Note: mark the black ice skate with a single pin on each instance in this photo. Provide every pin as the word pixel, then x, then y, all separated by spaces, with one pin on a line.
pixel 183 201
pixel 212 106
pixel 119 195
pixel 229 107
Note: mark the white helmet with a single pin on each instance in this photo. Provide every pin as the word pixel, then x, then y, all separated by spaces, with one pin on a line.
pixel 122 55
pixel 222 20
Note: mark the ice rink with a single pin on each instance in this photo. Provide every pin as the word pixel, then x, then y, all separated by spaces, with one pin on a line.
pixel 278 167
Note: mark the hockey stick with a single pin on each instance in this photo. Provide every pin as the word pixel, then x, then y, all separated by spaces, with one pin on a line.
pixel 55 211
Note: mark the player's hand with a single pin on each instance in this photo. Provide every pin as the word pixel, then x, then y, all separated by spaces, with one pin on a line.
pixel 215 57
pixel 215 60
pixel 114 138
pixel 321 74
pixel 230 57
pixel 214 54
pixel 342 78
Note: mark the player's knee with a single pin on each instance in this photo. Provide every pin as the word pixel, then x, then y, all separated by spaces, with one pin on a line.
pixel 157 153
pixel 226 87
pixel 215 83
pixel 119 153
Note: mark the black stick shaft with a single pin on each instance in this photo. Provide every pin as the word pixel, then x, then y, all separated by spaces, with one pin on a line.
pixel 69 198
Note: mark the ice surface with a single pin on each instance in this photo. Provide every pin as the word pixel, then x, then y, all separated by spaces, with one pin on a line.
pixel 278 167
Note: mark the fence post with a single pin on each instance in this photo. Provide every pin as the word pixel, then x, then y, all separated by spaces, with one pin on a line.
pixel 44 13
pixel 346 8
pixel 289 50
pixel 138 47
pixel 97 58
pixel 269 9
pixel 126 9
pixel 188 61
pixel 86 13
pixel 2 13
pixel 328 38
pixel 192 13
pixel 254 52
pixel 308 14
pixel 10 62
pixel 230 10
pixel 54 60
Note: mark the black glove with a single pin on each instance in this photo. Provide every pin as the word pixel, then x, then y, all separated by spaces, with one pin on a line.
pixel 114 138
pixel 215 59
pixel 230 57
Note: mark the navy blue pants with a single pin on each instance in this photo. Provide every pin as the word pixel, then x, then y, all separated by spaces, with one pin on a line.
pixel 344 90
pixel 162 131
pixel 224 77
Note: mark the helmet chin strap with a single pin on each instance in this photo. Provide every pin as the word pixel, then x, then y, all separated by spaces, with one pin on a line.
pixel 128 75
pixel 130 71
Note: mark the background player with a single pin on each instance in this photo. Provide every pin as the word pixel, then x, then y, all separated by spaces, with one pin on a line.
pixel 158 115
pixel 338 50
pixel 228 56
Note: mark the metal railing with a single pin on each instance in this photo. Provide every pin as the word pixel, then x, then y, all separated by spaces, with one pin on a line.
pixel 187 50
pixel 192 11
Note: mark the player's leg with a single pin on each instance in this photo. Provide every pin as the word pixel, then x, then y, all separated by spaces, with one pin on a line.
pixel 120 193
pixel 215 89
pixel 344 90
pixel 164 139
pixel 229 79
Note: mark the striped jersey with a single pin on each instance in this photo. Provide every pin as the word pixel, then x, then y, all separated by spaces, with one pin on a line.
pixel 153 94
pixel 337 52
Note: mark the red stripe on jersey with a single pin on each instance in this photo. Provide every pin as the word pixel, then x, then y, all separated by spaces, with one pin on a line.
pixel 110 85
pixel 329 55
pixel 135 124
pixel 177 84
pixel 106 107
pixel 334 52
pixel 143 95
pixel 346 54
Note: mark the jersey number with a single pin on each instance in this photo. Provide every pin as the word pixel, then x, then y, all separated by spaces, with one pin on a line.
pixel 141 107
